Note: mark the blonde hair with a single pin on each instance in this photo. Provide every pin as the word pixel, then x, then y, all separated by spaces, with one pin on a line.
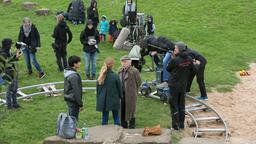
pixel 108 64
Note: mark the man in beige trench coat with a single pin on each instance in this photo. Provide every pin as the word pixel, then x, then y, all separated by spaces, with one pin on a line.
pixel 130 78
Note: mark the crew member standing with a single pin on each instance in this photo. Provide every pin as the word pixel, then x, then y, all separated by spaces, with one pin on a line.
pixel 179 69
pixel 200 63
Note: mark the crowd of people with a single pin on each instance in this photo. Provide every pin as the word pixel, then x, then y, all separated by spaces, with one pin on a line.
pixel 116 91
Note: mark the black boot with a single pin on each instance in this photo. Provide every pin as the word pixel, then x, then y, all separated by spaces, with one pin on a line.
pixel 132 123
pixel 124 124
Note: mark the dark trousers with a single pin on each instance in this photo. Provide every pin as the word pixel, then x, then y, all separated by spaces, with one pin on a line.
pixel 61 56
pixel 200 80
pixel 115 117
pixel 11 94
pixel 177 106
pixel 126 124
pixel 73 109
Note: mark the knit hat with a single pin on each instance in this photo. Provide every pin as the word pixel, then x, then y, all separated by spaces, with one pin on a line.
pixel 181 46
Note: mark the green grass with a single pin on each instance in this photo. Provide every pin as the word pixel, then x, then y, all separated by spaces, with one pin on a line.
pixel 223 31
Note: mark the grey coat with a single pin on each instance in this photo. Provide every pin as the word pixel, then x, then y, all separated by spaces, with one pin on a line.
pixel 131 85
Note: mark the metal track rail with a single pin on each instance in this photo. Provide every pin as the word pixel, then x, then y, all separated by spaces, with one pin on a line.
pixel 200 106
pixel 196 107
pixel 48 88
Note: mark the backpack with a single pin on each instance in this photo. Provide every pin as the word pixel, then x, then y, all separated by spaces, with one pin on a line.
pixel 66 126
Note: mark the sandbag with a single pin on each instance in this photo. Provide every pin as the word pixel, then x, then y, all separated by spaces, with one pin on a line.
pixel 121 38
pixel 156 130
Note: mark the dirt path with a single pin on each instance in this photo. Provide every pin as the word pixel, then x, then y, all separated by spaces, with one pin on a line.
pixel 239 106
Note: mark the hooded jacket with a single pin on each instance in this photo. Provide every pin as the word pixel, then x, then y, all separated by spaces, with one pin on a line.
pixel 33 40
pixel 103 27
pixel 84 38
pixel 93 14
pixel 60 33
pixel 73 87
pixel 179 69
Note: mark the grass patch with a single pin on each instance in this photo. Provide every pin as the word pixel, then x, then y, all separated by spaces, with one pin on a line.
pixel 220 30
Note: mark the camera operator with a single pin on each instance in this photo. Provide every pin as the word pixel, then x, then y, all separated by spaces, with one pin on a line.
pixel 179 67
pixel 9 72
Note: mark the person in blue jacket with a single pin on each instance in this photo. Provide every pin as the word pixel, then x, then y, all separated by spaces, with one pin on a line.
pixel 103 28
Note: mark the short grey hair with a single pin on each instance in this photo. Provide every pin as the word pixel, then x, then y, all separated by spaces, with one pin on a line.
pixel 26 19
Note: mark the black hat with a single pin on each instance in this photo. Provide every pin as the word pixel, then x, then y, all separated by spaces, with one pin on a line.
pixel 89 22
pixel 6 43
pixel 181 46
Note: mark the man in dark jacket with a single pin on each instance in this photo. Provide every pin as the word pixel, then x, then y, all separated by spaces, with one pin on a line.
pixel 30 36
pixel 60 45
pixel 179 68
pixel 9 72
pixel 200 63
pixel 89 38
pixel 73 87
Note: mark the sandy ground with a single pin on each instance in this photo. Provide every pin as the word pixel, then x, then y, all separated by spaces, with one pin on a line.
pixel 238 108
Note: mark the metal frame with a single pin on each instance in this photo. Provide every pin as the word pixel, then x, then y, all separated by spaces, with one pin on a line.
pixel 196 107
pixel 195 120
pixel 2 102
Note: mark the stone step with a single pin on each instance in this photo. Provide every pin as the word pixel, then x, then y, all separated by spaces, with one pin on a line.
pixel 110 134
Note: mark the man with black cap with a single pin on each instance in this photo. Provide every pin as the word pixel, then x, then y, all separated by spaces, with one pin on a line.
pixel 9 73
pixel 179 68
pixel 130 78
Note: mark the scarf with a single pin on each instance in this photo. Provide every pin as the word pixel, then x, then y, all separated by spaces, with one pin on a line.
pixel 27 30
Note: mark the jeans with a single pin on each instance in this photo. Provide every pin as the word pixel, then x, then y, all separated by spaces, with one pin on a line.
pixel 115 117
pixel 11 94
pixel 166 61
pixel 31 57
pixel 177 106
pixel 73 109
pixel 90 59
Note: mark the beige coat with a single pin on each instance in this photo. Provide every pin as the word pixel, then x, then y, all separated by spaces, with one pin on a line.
pixel 131 84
